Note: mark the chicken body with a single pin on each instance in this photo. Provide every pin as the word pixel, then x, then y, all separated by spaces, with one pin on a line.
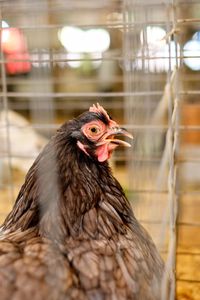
pixel 72 233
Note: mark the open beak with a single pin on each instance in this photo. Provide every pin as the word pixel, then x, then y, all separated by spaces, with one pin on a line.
pixel 112 137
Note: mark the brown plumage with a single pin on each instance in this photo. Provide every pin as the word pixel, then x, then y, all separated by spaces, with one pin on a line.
pixel 72 233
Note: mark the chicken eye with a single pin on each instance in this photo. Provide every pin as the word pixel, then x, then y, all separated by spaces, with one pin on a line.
pixel 94 129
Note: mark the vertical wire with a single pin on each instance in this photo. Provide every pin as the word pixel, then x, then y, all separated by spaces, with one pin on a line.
pixel 172 176
pixel 169 295
pixel 176 143
pixel 5 108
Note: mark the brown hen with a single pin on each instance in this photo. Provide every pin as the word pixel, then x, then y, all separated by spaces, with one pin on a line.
pixel 72 233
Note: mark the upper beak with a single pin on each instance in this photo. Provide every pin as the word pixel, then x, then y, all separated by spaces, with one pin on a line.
pixel 110 137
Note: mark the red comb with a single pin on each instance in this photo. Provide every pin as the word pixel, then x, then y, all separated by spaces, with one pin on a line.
pixel 99 109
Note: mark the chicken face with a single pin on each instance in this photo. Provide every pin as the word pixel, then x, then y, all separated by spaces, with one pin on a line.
pixel 101 135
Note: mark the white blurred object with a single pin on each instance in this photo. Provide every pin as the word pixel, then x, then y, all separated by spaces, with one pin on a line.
pixel 154 35
pixel 191 54
pixel 156 54
pixel 158 58
pixel 76 40
pixel 19 142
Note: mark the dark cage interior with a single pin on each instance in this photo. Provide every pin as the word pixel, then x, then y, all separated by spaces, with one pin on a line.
pixel 140 59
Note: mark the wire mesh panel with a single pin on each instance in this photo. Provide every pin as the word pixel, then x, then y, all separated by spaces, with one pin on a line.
pixel 153 163
pixel 156 63
pixel 140 60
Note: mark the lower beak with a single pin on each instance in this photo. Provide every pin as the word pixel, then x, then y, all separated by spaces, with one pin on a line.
pixel 110 137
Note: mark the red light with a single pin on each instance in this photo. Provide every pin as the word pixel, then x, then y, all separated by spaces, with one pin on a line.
pixel 13 40
pixel 15 48
pixel 20 66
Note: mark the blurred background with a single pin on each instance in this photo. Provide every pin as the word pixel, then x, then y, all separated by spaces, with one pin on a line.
pixel 140 59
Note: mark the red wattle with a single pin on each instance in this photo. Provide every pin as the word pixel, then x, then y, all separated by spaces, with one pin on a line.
pixel 102 153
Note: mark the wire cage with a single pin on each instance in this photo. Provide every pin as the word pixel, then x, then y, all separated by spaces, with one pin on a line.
pixel 140 60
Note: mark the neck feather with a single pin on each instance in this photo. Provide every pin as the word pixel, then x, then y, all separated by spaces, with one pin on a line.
pixel 60 187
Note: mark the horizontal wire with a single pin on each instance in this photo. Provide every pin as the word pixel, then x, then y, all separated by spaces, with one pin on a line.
pixel 93 94
pixel 109 25
pixel 40 7
pixel 62 104
pixel 188 280
pixel 54 80
pixel 93 59
pixel 190 20
pixel 189 253
pixel 76 94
